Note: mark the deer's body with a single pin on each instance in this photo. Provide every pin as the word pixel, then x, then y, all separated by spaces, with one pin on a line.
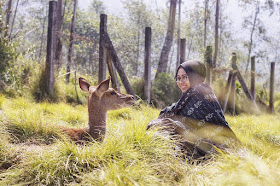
pixel 100 99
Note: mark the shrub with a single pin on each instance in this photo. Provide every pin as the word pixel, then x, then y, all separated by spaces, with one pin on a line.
pixel 165 90
pixel 39 89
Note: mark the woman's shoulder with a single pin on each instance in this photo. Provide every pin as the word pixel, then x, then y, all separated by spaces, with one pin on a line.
pixel 205 92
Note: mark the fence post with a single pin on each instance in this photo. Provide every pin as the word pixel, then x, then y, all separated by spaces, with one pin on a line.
pixel 271 92
pixel 253 71
pixel 58 53
pixel 147 73
pixel 112 72
pixel 208 59
pixel 102 49
pixel 233 87
pixel 51 45
pixel 182 50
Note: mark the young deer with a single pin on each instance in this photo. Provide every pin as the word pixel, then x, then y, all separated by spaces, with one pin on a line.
pixel 100 100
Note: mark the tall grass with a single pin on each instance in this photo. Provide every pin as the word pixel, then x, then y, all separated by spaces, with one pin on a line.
pixel 129 155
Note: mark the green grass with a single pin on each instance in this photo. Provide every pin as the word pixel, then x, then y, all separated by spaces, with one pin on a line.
pixel 34 152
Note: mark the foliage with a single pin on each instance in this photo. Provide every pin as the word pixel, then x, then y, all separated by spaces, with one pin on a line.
pixel 8 52
pixel 39 88
pixel 165 90
pixel 137 85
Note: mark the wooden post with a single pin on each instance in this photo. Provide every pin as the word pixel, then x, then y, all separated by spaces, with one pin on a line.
pixel 253 91
pixel 58 53
pixel 233 87
pixel 228 89
pixel 112 72
pixel 271 92
pixel 147 73
pixel 51 45
pixel 116 61
pixel 182 50
pixel 77 95
pixel 208 59
pixel 102 49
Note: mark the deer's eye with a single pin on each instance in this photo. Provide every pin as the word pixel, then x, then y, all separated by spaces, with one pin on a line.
pixel 113 93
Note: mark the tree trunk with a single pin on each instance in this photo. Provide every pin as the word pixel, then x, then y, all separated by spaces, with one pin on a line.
pixel 251 37
pixel 72 30
pixel 163 60
pixel 178 36
pixel 12 25
pixel 205 23
pixel 9 8
pixel 51 38
pixel 216 33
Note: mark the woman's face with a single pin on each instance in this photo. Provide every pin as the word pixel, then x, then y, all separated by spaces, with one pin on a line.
pixel 182 80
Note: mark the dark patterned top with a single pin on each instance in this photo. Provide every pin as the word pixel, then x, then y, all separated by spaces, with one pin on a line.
pixel 198 103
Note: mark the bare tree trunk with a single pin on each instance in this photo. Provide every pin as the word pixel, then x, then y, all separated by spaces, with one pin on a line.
pixel 12 25
pixel 205 23
pixel 163 60
pixel 178 36
pixel 216 33
pixel 251 37
pixel 9 8
pixel 72 30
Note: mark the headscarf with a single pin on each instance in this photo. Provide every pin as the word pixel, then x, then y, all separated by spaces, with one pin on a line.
pixel 195 70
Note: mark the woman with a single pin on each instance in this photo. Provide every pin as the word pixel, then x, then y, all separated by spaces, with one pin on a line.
pixel 197 117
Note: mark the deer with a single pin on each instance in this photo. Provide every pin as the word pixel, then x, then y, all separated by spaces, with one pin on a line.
pixel 101 99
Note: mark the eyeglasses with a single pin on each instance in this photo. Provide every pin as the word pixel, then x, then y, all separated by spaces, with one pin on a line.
pixel 183 79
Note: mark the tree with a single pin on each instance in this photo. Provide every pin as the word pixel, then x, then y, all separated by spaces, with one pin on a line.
pixel 71 40
pixel 253 23
pixel 206 17
pixel 8 15
pixel 163 60
pixel 12 25
pixel 178 35
pixel 138 18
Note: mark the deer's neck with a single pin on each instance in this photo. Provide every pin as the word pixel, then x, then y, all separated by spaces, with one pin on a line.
pixel 97 122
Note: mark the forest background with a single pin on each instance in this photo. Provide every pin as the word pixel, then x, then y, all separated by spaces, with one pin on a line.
pixel 247 27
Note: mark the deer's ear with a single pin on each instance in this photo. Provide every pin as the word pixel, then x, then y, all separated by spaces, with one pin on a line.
pixel 84 84
pixel 103 86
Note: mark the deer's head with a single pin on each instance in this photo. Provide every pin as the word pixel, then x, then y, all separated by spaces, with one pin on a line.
pixel 105 98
